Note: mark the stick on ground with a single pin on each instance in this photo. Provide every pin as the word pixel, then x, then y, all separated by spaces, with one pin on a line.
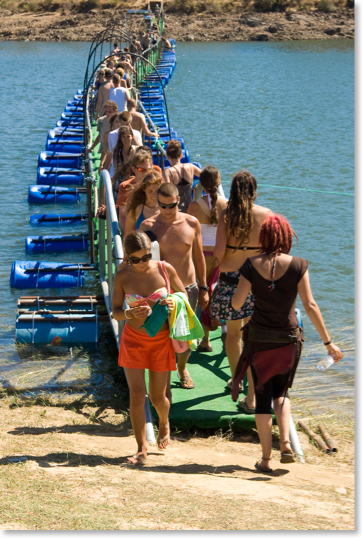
pixel 316 438
pixel 327 438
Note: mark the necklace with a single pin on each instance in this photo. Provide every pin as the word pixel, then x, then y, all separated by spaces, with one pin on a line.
pixel 151 206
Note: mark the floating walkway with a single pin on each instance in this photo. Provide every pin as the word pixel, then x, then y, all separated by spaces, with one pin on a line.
pixel 66 174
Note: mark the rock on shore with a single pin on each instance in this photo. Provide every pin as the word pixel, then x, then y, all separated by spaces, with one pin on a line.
pixel 234 26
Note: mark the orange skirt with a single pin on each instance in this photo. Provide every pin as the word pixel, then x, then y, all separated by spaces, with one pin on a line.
pixel 140 351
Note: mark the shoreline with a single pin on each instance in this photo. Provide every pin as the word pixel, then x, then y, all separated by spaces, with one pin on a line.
pixel 200 27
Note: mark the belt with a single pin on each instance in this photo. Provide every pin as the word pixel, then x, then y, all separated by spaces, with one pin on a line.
pixel 271 336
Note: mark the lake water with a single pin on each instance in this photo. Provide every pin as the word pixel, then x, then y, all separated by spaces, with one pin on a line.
pixel 284 111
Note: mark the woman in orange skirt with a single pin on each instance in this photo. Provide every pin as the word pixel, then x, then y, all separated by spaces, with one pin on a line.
pixel 140 283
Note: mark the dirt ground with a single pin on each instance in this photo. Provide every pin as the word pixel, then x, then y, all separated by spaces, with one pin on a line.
pixel 233 26
pixel 76 477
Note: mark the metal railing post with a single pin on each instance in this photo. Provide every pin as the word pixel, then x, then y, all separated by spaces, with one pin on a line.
pixel 114 241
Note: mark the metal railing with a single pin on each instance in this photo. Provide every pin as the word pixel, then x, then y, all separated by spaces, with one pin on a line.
pixel 110 255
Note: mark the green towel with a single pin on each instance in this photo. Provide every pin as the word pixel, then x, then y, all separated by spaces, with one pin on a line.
pixel 184 324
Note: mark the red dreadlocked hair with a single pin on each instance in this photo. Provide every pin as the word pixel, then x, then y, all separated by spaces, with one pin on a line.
pixel 276 235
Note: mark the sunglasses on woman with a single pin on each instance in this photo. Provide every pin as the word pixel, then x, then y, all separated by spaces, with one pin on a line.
pixel 144 169
pixel 167 206
pixel 134 260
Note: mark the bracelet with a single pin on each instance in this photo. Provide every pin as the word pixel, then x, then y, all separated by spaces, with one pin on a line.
pixel 125 313
pixel 327 343
pixel 204 288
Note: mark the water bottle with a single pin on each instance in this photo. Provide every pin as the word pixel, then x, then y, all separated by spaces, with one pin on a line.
pixel 327 362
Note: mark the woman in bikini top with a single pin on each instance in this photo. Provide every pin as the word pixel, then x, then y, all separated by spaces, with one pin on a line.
pixel 141 283
pixel 237 239
pixel 142 204
pixel 239 224
pixel 180 174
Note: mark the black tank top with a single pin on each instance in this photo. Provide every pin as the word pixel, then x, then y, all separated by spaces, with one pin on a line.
pixel 184 190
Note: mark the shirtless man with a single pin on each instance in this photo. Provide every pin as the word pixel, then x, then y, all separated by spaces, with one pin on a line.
pixel 138 119
pixel 103 126
pixel 116 49
pixel 179 237
pixel 103 92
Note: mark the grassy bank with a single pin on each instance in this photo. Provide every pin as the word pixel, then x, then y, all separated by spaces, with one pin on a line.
pixel 174 6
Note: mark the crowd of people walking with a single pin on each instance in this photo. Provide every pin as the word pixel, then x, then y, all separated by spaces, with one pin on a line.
pixel 229 259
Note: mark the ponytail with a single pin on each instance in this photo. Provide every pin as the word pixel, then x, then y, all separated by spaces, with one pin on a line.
pixel 210 180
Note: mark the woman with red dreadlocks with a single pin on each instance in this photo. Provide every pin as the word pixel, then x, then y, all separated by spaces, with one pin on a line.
pixel 272 338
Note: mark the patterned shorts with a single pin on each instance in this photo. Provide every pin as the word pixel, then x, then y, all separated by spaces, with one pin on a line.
pixel 221 308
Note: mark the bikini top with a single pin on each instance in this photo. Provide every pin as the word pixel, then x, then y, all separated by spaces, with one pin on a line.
pixel 140 219
pixel 182 180
pixel 132 299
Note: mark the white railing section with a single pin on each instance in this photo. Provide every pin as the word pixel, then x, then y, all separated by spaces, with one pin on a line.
pixel 110 244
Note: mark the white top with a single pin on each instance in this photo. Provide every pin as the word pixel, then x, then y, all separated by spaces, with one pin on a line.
pixel 208 234
pixel 208 231
pixel 112 141
pixel 119 96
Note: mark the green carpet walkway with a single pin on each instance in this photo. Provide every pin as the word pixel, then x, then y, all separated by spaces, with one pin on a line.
pixel 209 404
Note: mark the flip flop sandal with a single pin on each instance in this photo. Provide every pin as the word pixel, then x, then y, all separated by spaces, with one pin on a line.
pixel 136 463
pixel 202 349
pixel 258 467
pixel 166 438
pixel 286 457
pixel 244 407
pixel 230 385
pixel 185 381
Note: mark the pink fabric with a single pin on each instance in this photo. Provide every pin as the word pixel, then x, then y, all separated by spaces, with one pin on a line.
pixel 205 317
pixel 178 346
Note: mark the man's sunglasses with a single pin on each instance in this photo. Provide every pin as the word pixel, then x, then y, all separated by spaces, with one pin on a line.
pixel 145 258
pixel 144 169
pixel 167 206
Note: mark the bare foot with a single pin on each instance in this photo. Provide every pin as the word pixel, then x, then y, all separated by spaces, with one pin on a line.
pixel 285 447
pixel 163 439
pixel 185 380
pixel 264 463
pixel 138 459
pixel 250 403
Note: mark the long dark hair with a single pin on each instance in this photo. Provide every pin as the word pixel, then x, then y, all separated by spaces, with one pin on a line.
pixel 117 152
pixel 239 216
pixel 210 180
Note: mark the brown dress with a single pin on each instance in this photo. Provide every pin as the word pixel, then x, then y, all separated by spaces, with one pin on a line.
pixel 272 338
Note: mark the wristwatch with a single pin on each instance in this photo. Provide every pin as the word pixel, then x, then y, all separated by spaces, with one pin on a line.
pixel 204 288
